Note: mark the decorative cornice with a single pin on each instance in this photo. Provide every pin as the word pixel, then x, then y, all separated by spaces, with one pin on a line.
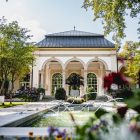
pixel 74 55
pixel 74 49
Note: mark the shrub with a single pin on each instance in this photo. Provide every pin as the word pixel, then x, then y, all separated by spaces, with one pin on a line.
pixel 90 96
pixel 90 90
pixel 60 94
pixel 74 100
pixel 28 94
pixel 124 93
pixel 116 78
pixel 134 102
pixel 41 90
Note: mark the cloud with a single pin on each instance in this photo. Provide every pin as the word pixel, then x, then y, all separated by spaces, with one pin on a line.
pixel 16 12
pixel 37 32
pixel 32 25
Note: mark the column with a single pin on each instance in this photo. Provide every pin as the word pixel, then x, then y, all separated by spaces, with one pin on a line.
pixel 47 82
pixel 101 80
pixel 64 78
pixel 113 63
pixel 42 79
pixel 31 82
pixel 65 86
pixel 85 81
pixel 35 77
pixel 82 87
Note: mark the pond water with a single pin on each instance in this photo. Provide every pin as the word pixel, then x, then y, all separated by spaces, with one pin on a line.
pixel 62 118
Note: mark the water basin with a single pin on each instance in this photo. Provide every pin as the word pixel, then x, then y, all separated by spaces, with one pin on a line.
pixel 60 117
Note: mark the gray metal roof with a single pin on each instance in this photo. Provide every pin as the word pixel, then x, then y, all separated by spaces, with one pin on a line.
pixel 75 39
pixel 74 33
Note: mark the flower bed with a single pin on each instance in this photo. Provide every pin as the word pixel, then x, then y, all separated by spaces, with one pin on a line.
pixel 75 100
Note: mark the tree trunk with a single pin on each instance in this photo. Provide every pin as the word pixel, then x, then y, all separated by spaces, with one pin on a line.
pixel 139 79
pixel 2 87
pixel 12 88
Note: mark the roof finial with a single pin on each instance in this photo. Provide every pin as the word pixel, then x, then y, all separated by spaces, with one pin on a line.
pixel 74 27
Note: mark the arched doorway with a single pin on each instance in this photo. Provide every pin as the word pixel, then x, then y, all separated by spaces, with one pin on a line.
pixel 52 78
pixel 95 73
pixel 56 82
pixel 92 81
pixel 74 67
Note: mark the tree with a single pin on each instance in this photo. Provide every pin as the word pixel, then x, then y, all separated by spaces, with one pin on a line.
pixel 16 54
pixel 112 13
pixel 23 58
pixel 75 80
pixel 131 54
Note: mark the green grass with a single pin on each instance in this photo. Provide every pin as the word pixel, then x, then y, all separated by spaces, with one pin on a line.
pixel 8 104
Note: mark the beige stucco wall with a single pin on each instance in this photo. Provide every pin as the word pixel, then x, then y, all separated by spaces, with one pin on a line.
pixel 106 57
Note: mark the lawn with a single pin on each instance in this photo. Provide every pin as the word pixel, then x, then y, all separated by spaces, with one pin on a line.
pixel 8 104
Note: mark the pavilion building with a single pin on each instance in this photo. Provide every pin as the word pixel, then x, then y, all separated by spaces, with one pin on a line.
pixel 61 54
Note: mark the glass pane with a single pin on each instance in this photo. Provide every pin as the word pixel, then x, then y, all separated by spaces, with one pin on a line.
pixel 56 82
pixel 92 81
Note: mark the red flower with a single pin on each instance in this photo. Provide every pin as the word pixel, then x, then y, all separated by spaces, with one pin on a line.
pixel 122 111
pixel 108 80
pixel 114 78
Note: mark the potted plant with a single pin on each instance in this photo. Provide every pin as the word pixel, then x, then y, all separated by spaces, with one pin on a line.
pixel 60 94
pixel 2 97
pixel 75 81
pixel 3 90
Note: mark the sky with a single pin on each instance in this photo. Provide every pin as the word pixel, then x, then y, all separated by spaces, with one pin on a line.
pixel 43 17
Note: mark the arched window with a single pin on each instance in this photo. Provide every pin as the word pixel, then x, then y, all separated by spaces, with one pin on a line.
pixel 56 82
pixel 92 81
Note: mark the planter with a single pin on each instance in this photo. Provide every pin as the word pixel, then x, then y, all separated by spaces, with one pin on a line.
pixel 74 100
pixel 41 96
pixel 2 99
pixel 74 93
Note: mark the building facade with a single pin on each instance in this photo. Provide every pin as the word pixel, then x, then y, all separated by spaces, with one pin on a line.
pixel 62 54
